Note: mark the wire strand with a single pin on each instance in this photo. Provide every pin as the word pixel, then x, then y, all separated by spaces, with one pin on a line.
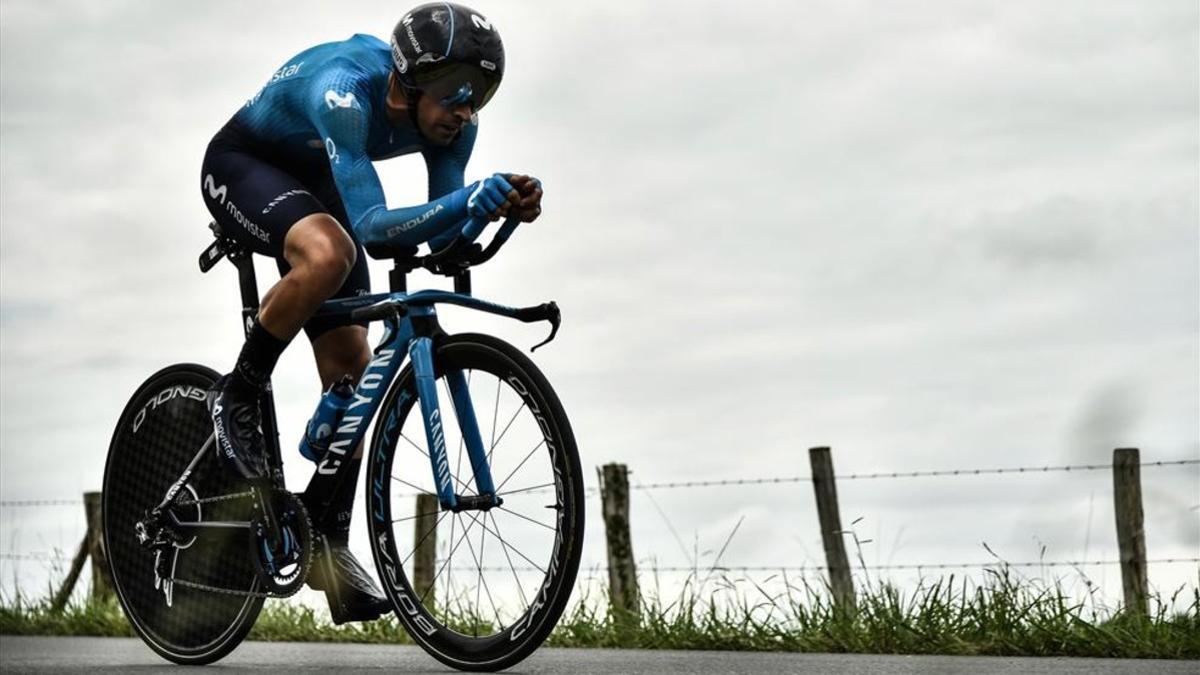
pixel 907 474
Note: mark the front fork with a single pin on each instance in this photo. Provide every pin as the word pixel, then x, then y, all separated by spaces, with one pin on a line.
pixel 420 350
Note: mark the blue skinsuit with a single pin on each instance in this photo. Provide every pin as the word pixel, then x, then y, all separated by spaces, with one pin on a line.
pixel 304 144
pixel 326 104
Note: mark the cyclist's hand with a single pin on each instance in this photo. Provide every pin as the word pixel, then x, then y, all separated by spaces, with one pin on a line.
pixel 529 207
pixel 492 197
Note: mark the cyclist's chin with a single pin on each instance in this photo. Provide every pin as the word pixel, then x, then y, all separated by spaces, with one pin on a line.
pixel 441 134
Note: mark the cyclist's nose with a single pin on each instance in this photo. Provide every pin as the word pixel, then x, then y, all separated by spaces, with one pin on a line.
pixel 462 111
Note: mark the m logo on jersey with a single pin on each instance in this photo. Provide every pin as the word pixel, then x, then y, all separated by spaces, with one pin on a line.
pixel 214 192
pixel 336 100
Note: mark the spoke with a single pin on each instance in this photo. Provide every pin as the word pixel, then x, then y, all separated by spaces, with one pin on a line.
pixel 422 540
pixel 446 564
pixel 505 431
pixel 527 518
pixel 419 448
pixel 480 584
pixel 486 588
pixel 449 555
pixel 421 489
pixel 512 548
pixel 528 489
pixel 479 569
pixel 413 486
pixel 504 547
pixel 478 579
pixel 495 414
pixel 419 515
pixel 514 471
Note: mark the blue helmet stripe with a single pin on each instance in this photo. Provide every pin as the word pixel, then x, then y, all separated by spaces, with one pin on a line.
pixel 451 42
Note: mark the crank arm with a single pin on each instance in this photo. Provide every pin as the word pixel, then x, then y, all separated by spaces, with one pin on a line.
pixel 208 524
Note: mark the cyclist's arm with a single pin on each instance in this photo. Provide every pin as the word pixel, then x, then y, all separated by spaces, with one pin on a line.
pixel 343 120
pixel 447 167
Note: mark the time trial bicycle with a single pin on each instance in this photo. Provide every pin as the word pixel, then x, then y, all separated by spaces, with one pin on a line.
pixel 195 551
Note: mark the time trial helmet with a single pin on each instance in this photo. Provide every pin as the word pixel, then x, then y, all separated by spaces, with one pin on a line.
pixel 449 52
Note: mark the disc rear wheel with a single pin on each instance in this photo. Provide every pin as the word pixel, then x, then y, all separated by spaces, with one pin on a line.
pixel 163 427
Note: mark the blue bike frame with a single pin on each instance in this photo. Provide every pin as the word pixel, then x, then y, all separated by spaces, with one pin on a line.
pixel 411 327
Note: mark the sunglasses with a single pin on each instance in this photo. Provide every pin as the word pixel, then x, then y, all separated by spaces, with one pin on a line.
pixel 458 85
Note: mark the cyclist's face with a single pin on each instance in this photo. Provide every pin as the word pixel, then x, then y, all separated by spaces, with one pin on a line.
pixel 440 123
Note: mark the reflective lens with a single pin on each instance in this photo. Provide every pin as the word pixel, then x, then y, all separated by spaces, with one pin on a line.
pixel 458 85
pixel 463 95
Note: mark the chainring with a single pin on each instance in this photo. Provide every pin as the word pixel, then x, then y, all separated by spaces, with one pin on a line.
pixel 283 558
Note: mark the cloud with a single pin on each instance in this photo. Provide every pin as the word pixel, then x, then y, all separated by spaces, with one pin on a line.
pixel 934 235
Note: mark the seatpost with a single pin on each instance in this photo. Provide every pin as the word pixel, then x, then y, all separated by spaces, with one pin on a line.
pixel 462 282
pixel 248 284
pixel 398 278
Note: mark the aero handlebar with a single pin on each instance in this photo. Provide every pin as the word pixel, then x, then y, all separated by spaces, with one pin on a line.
pixel 462 252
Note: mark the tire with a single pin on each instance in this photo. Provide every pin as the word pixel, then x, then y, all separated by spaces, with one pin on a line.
pixel 162 428
pixel 519 574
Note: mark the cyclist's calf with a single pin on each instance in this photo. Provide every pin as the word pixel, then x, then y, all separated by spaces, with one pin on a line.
pixel 341 351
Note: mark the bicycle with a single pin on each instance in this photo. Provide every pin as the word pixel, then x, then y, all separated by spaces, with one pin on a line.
pixel 195 552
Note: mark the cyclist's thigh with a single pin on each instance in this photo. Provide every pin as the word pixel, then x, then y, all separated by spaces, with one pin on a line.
pixel 358 282
pixel 252 200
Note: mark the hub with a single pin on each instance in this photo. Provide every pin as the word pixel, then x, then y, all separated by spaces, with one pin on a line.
pixel 475 503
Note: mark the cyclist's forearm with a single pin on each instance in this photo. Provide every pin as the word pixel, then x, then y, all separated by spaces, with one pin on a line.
pixel 412 225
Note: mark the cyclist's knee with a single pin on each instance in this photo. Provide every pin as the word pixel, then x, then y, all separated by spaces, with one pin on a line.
pixel 318 244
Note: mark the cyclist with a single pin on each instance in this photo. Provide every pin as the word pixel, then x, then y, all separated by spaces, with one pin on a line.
pixel 290 176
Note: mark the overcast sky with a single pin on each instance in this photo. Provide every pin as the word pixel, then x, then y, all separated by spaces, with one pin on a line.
pixel 927 234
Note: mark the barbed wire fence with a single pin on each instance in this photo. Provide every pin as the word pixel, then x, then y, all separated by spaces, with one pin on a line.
pixel 622 571
pixel 1127 505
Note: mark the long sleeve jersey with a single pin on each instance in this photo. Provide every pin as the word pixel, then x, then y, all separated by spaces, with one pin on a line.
pixel 327 104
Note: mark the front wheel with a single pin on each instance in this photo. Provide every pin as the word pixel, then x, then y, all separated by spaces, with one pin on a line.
pixel 497 580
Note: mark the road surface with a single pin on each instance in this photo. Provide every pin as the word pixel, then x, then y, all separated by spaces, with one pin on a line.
pixel 89 656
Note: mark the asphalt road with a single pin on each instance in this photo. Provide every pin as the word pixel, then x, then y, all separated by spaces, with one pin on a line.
pixel 101 655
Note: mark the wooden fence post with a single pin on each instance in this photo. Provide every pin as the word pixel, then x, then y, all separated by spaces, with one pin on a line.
pixel 622 572
pixel 1131 536
pixel 68 585
pixel 102 587
pixel 831 528
pixel 425 544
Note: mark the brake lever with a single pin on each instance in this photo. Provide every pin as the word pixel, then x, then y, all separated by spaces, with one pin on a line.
pixel 554 316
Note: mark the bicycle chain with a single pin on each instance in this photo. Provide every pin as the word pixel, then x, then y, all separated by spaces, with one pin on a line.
pixel 221 498
pixel 217 589
pixel 228 591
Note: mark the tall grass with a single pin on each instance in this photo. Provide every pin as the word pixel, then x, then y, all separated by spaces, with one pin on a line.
pixel 1005 615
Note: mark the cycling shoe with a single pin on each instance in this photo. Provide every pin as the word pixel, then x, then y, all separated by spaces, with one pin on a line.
pixel 237 422
pixel 352 595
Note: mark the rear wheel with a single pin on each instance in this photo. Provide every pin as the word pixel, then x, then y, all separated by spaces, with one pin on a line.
pixel 161 430
pixel 499 578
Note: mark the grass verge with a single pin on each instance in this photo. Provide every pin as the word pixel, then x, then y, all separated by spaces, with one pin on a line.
pixel 1004 616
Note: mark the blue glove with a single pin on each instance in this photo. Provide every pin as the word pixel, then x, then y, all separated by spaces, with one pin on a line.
pixel 488 195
